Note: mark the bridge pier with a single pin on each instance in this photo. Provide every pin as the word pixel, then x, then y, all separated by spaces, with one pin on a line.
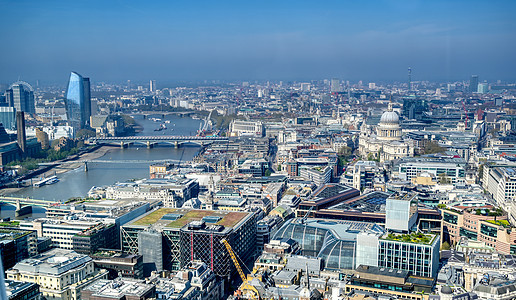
pixel 85 166
pixel 150 144
pixel 176 144
pixel 123 145
pixel 23 211
pixel 20 211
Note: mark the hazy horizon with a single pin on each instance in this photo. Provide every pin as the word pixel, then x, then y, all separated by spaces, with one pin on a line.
pixel 292 40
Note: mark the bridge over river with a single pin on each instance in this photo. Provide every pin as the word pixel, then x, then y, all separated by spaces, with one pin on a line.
pixel 150 141
pixel 24 205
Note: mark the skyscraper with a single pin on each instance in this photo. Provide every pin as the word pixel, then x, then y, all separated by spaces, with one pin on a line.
pixel 473 84
pixel 152 86
pixel 78 101
pixel 335 85
pixel 20 95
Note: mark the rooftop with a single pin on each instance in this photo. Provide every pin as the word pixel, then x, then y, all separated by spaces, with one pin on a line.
pixel 55 261
pixel 414 237
pixel 118 288
pixel 185 216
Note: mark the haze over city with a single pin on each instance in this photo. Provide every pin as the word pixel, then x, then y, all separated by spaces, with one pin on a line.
pixel 266 40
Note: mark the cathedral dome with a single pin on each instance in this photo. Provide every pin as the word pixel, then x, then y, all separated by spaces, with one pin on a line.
pixel 390 117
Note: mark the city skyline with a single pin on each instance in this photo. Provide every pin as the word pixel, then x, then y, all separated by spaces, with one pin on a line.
pixel 441 41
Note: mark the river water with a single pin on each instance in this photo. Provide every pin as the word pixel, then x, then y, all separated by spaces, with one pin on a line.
pixel 77 183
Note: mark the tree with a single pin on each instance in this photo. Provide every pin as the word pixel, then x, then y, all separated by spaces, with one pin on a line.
pixel 445 246
pixel 444 179
pixel 85 133
pixel 268 172
pixel 432 147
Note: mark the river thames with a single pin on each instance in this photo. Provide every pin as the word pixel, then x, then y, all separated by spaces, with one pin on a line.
pixel 77 183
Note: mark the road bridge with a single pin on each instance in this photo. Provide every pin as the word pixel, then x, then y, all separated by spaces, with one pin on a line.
pixel 24 205
pixel 150 141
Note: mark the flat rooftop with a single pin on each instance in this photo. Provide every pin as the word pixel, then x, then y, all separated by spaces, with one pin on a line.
pixel 55 262
pixel 178 217
pixel 118 288
pixel 370 202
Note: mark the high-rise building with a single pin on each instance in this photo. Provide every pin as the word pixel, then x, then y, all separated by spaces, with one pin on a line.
pixel 335 86
pixel 78 101
pixel 473 84
pixel 152 86
pixel 20 95
pixel 482 88
pixel 8 117
pixel 20 127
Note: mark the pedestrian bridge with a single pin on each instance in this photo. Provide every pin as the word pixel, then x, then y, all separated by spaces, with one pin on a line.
pixel 150 141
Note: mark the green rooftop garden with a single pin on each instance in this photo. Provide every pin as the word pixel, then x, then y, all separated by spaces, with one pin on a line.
pixel 414 237
pixel 10 224
pixel 503 223
pixel 229 219
pixel 154 216
pixel 486 212
pixel 193 215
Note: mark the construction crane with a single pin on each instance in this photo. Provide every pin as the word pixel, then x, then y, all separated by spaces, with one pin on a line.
pixel 466 113
pixel 245 286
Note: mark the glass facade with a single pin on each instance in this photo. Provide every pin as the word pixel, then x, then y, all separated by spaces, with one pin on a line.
pixel 334 242
pixel 78 101
pixel 420 259
pixel 450 218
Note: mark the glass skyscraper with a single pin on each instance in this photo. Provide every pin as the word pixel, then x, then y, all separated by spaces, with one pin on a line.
pixel 78 101
pixel 20 95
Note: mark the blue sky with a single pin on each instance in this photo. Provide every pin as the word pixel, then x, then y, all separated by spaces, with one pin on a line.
pixel 248 40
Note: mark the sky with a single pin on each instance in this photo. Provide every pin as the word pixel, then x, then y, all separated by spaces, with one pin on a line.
pixel 169 41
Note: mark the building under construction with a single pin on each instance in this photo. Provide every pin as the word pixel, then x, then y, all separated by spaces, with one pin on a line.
pixel 183 235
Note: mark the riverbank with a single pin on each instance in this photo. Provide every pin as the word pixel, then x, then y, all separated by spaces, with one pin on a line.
pixel 63 168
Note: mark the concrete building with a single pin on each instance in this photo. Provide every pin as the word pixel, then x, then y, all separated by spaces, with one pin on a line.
pixel 19 290
pixel 246 128
pixel 178 236
pixel 61 274
pixel 16 244
pixel 118 289
pixel 173 192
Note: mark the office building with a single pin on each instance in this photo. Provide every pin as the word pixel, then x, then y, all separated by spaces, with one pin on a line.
pixel 483 224
pixel 391 283
pixel 118 289
pixel 246 128
pixel 152 86
pixel 125 265
pixel 473 84
pixel 20 96
pixel 174 237
pixel 483 88
pixel 61 274
pixel 333 241
pixel 335 86
pixel 19 290
pixel 450 170
pixel 401 212
pixel 78 101
pixel 16 245
pixel 8 117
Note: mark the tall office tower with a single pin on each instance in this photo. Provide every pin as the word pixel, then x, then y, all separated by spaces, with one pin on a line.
pixel 20 128
pixel 335 86
pixel 20 95
pixel 78 101
pixel 482 88
pixel 152 86
pixel 409 79
pixel 473 84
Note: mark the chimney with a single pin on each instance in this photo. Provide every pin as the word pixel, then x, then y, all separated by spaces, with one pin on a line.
pixel 20 128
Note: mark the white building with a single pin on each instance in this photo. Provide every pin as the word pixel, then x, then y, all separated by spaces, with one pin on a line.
pixel 239 127
pixel 61 274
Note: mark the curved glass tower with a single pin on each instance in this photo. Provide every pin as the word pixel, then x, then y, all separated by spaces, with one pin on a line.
pixel 78 101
